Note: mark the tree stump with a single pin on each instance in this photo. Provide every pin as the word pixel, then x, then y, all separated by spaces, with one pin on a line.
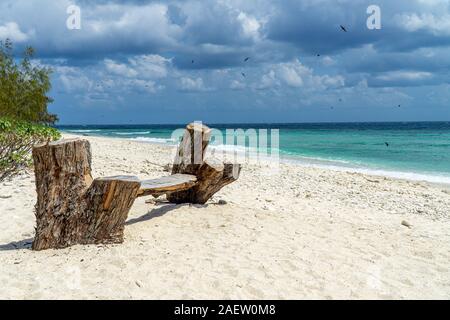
pixel 212 175
pixel 192 149
pixel 71 208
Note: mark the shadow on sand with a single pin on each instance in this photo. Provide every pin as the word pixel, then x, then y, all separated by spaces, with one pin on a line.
pixel 155 213
pixel 158 212
pixel 17 245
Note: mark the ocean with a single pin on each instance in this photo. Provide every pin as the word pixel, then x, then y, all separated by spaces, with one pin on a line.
pixel 410 150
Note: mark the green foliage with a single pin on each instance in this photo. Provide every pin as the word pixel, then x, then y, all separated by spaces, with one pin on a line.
pixel 24 87
pixel 17 138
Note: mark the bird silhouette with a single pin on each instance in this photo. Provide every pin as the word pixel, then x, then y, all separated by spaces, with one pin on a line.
pixel 246 59
pixel 343 28
pixel 399 106
pixel 318 54
pixel 192 61
pixel 243 74
pixel 387 144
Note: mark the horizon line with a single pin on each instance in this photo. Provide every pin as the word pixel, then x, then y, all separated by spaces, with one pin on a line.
pixel 256 123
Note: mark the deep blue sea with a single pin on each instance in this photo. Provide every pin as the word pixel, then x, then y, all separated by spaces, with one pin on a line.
pixel 415 150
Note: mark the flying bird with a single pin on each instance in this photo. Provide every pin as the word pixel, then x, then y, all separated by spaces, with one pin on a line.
pixel 399 106
pixel 243 74
pixel 192 61
pixel 246 59
pixel 343 28
pixel 387 144
pixel 318 54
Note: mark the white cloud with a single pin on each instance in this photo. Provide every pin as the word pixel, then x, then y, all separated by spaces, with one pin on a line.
pixel 191 84
pixel 291 74
pixel 73 79
pixel 404 75
pixel 268 80
pixel 141 66
pixel 425 21
pixel 328 61
pixel 119 69
pixel 250 26
pixel 150 66
pixel 108 76
pixel 295 74
pixel 433 3
pixel 12 31
pixel 337 81
pixel 107 27
pixel 237 85
pixel 143 85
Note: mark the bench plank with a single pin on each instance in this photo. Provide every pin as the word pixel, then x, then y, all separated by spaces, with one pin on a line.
pixel 173 183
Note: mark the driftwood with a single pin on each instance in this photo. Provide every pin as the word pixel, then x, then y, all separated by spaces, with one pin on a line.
pixel 176 182
pixel 72 208
pixel 211 174
pixel 192 149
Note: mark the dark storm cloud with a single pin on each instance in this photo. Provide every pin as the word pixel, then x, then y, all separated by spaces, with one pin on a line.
pixel 149 47
pixel 217 33
pixel 314 26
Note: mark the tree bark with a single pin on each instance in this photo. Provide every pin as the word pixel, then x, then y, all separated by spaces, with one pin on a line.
pixel 164 185
pixel 191 150
pixel 212 176
pixel 71 208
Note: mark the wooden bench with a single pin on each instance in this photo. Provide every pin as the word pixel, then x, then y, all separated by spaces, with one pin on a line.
pixel 73 208
pixel 164 185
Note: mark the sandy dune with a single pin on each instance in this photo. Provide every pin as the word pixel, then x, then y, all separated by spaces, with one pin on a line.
pixel 302 233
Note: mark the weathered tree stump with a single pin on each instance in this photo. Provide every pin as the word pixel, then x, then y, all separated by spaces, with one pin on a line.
pixel 71 208
pixel 164 185
pixel 192 149
pixel 212 175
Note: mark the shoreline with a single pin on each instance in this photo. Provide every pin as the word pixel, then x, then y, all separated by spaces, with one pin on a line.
pixel 309 162
pixel 267 167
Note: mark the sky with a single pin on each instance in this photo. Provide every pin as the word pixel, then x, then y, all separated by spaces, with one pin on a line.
pixel 146 62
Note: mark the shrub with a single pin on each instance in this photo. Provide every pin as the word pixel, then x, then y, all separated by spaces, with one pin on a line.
pixel 24 86
pixel 17 139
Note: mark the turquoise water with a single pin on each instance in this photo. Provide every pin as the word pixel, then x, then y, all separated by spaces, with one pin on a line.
pixel 418 149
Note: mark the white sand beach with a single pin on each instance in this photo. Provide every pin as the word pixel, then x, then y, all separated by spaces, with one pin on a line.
pixel 304 233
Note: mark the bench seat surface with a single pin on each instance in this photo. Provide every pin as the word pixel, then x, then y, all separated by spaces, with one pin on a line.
pixel 176 182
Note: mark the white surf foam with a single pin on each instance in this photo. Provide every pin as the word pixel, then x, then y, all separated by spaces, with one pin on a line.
pixel 345 166
pixel 84 130
pixel 131 133
pixel 337 165
pixel 154 140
